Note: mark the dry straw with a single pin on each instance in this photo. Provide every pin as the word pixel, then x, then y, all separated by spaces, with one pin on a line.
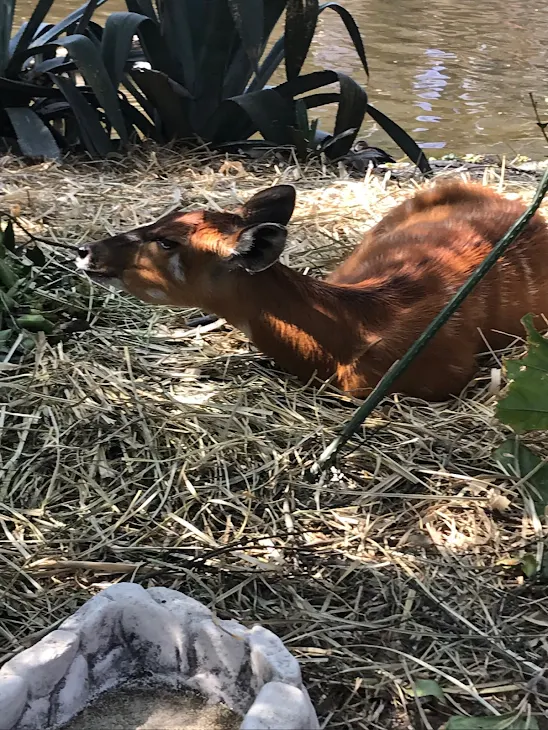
pixel 142 450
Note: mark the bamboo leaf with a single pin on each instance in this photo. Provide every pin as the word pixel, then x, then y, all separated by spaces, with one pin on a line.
pixel 33 135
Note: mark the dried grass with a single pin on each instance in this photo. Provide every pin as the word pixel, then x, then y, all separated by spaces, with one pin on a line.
pixel 142 450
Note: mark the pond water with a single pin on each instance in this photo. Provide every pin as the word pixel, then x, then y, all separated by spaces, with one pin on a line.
pixel 455 75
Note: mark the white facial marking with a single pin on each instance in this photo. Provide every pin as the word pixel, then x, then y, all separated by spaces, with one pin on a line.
pixel 83 263
pixel 176 268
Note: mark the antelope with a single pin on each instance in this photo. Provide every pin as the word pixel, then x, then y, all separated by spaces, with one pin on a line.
pixel 350 327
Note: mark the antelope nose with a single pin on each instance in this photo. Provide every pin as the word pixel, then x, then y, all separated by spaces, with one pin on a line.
pixel 83 251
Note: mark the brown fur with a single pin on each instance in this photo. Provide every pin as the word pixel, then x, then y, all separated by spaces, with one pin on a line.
pixel 368 312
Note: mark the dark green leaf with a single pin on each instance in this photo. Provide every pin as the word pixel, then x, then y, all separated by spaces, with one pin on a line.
pixel 6 20
pixel 350 114
pixel 169 103
pixel 90 65
pixel 142 7
pixel 38 15
pixel 352 28
pixel 218 48
pixel 86 17
pixel 66 23
pixel 301 17
pixel 492 722
pixel 426 688
pixel 402 139
pixel 269 65
pixel 272 114
pixel 517 460
pixel 36 255
pixel 178 21
pixel 8 238
pixel 249 21
pixel 525 405
pixel 529 565
pixel 33 136
pixel 94 136
pixel 116 42
pixel 35 323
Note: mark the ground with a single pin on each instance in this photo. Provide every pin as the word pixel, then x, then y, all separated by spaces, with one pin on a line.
pixel 142 450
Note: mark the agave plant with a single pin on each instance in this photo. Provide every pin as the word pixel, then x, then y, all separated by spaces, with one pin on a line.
pixel 199 73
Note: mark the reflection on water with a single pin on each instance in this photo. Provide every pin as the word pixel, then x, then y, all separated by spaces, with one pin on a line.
pixel 454 75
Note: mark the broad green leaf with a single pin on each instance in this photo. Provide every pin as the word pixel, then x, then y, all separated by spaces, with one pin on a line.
pixel 93 133
pixel 427 688
pixel 8 277
pixel 301 17
pixel 529 565
pixel 249 21
pixel 116 42
pixel 6 20
pixel 525 404
pixel 519 461
pixel 352 28
pixel 35 323
pixel 492 722
pixel 90 65
pixel 402 139
pixel 33 136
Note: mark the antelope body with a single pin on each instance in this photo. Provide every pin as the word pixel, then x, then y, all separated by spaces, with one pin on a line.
pixel 353 325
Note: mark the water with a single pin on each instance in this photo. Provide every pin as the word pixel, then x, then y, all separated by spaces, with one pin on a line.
pixel 456 76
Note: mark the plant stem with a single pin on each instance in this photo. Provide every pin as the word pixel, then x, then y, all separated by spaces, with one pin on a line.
pixel 398 367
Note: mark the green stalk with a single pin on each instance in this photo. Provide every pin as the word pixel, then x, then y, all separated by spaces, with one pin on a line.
pixel 327 457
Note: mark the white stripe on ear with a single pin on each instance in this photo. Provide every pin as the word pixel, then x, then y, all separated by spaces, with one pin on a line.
pixel 259 247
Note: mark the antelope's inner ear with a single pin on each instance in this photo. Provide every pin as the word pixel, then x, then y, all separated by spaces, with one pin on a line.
pixel 259 247
pixel 273 205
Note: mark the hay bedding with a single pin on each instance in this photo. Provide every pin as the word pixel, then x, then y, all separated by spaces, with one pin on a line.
pixel 142 450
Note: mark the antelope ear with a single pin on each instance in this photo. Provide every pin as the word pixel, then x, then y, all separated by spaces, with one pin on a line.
pixel 259 247
pixel 273 205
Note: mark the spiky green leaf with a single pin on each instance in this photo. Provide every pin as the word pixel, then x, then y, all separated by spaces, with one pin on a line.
pixel 116 42
pixel 7 8
pixel 301 17
pixel 33 136
pixel 352 29
pixel 90 65
pixel 402 139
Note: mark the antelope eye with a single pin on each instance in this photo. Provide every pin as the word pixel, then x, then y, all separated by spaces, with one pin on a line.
pixel 167 244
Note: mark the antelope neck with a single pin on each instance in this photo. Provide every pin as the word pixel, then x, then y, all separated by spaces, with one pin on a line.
pixel 306 325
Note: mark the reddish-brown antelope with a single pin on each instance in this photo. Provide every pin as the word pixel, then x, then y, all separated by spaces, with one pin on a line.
pixel 352 326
